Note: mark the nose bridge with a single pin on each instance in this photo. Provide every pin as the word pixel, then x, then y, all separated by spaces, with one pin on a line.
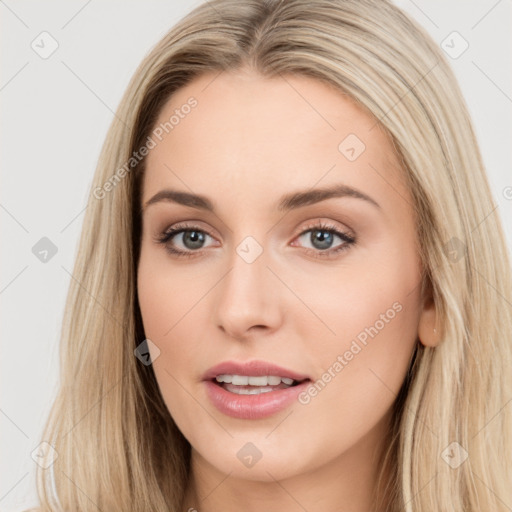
pixel 247 297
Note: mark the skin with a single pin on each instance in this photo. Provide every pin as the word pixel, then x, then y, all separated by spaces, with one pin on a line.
pixel 249 141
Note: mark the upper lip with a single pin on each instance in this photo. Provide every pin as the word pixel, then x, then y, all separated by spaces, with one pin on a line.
pixel 255 368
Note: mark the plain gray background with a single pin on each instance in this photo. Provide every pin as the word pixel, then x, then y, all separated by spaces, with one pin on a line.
pixel 55 114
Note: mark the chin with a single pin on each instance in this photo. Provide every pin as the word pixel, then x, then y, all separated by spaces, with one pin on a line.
pixel 258 458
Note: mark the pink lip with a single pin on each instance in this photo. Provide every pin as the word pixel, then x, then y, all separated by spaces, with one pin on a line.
pixel 252 406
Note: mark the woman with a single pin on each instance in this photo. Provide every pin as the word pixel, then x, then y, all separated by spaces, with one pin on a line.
pixel 289 293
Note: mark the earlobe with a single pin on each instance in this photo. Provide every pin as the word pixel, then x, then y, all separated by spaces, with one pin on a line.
pixel 428 333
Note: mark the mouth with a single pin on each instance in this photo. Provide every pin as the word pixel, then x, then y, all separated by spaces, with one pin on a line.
pixel 253 390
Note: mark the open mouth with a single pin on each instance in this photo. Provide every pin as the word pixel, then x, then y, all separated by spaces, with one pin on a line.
pixel 254 385
pixel 264 390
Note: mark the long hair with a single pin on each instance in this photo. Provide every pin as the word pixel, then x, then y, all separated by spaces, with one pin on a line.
pixel 116 445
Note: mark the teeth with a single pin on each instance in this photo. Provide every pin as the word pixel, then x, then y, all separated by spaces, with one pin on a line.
pixel 245 391
pixel 261 381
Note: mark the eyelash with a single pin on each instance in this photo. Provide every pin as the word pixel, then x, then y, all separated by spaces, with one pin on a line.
pixel 166 236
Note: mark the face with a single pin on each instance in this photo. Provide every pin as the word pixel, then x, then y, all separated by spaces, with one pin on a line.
pixel 324 286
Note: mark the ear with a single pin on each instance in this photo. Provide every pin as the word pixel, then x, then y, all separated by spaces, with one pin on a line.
pixel 428 333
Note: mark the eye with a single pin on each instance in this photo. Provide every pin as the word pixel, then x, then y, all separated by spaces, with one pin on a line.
pixel 184 240
pixel 322 237
pixel 191 239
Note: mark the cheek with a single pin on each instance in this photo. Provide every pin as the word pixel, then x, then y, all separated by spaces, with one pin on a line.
pixel 166 294
pixel 171 303
pixel 374 312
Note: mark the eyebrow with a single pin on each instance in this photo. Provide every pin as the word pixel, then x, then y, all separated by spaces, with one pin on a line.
pixel 288 202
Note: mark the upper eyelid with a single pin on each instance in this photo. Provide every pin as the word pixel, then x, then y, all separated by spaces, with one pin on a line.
pixel 195 225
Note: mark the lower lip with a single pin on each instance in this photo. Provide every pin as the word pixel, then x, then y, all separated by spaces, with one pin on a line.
pixel 252 407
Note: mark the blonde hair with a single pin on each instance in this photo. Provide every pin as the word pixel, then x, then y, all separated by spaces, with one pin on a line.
pixel 118 447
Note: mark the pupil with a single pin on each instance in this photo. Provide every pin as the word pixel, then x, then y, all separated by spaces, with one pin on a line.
pixel 318 236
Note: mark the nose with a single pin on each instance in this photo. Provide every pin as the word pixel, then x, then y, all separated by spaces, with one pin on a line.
pixel 248 298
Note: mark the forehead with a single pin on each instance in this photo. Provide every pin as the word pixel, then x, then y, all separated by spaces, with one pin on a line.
pixel 255 138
